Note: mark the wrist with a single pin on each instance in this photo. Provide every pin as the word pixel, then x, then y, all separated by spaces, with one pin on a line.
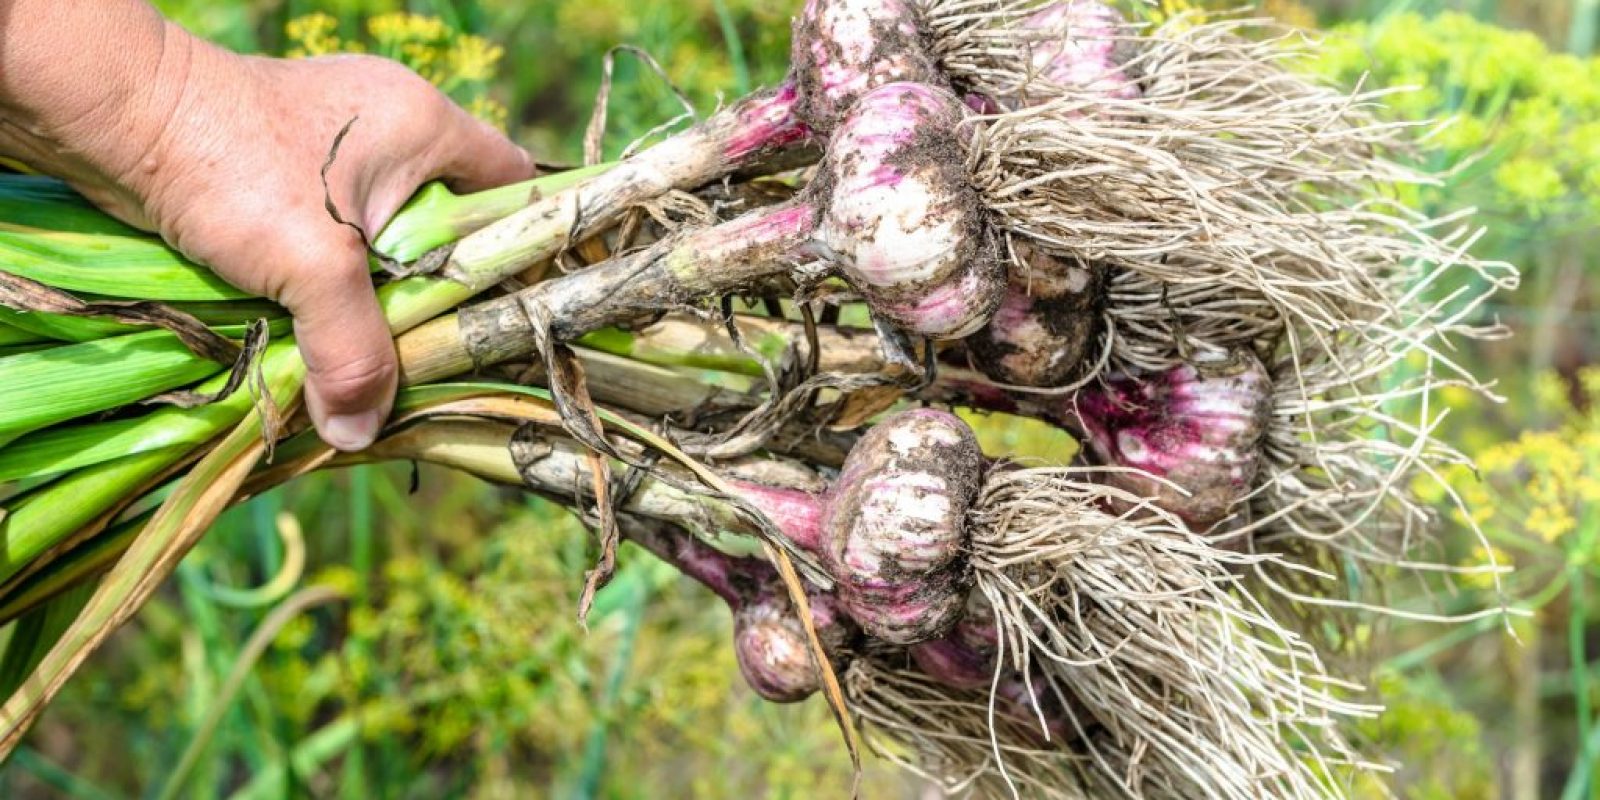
pixel 87 93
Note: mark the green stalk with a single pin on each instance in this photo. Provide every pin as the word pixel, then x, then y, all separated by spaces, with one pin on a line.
pixel 194 503
pixel 435 216
pixel 406 304
pixel 227 318
pixel 62 242
pixel 35 633
pixel 61 449
pixel 715 353
pixel 1583 767
pixel 137 266
pixel 1577 639
pixel 44 388
pixel 48 516
pixel 361 537
pixel 49 204
pixel 634 592
pixel 74 567
pixel 11 335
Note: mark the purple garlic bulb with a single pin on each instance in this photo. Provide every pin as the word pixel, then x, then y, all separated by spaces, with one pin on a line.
pixel 1199 427
pixel 844 48
pixel 965 656
pixel 1080 49
pixel 1042 331
pixel 903 220
pixel 771 646
pixel 895 525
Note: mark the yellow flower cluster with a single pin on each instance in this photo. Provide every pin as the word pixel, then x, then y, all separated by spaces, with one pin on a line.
pixel 316 35
pixel 1292 13
pixel 461 64
pixel 1485 563
pixel 1529 110
pixel 1542 488
pixel 1166 10
pixel 394 29
pixel 473 58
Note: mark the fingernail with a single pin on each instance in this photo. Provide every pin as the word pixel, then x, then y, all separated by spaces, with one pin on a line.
pixel 349 432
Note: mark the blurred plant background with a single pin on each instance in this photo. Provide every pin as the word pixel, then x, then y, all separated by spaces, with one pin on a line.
pixel 380 633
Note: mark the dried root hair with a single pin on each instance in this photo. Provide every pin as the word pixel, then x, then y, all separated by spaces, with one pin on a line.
pixel 1351 441
pixel 956 738
pixel 1181 684
pixel 1238 202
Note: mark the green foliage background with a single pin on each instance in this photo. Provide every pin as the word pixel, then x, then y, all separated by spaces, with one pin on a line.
pixel 455 668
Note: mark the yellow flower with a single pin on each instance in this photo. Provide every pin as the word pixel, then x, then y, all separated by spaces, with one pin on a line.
pixel 1193 13
pixel 312 35
pixel 1586 488
pixel 1291 13
pixel 489 110
pixel 1499 458
pixel 473 58
pixel 1530 181
pixel 1550 522
pixel 310 26
pixel 421 58
pixel 397 28
pixel 1589 377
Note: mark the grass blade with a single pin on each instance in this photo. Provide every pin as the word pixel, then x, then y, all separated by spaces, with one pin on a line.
pixel 44 518
pixel 283 614
pixel 435 216
pixel 68 784
pixel 227 318
pixel 11 335
pixel 309 755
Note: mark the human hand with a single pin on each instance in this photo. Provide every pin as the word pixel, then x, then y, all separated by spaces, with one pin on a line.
pixel 221 155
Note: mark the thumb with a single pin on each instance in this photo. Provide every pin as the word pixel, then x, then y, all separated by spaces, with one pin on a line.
pixel 351 371
pixel 476 156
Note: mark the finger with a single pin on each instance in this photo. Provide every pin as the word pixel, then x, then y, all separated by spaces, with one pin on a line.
pixel 470 156
pixel 351 371
pixel 476 156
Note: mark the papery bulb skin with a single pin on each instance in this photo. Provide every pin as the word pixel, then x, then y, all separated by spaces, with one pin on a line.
pixel 767 121
pixel 1082 50
pixel 772 648
pixel 895 525
pixel 903 221
pixel 1198 427
pixel 1041 334
pixel 964 658
pixel 845 48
